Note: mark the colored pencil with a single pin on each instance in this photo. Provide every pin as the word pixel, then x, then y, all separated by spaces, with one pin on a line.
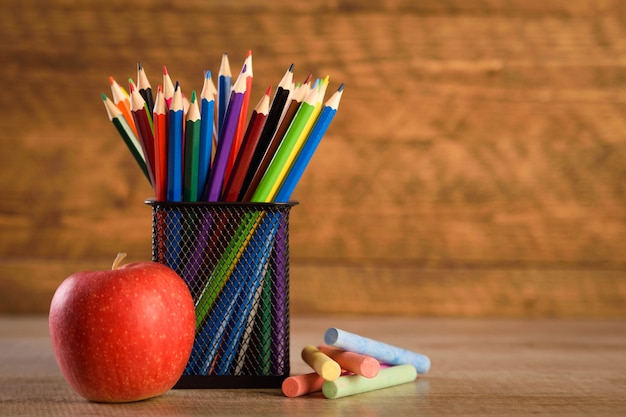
pixel 207 123
pixel 321 86
pixel 308 149
pixel 192 150
pixel 268 187
pixel 248 146
pixel 216 177
pixel 241 124
pixel 159 118
pixel 283 91
pixel 168 87
pixel 119 121
pixel 132 85
pixel 121 98
pixel 224 87
pixel 296 100
pixel 175 147
pixel 142 121
pixel 144 87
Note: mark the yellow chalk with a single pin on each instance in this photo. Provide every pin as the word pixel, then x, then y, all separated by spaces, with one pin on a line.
pixel 323 365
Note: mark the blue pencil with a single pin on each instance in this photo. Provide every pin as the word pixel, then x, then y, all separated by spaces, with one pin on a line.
pixel 224 86
pixel 216 177
pixel 207 122
pixel 175 148
pixel 310 145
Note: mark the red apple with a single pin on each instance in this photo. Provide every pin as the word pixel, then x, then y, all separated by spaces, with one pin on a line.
pixel 124 334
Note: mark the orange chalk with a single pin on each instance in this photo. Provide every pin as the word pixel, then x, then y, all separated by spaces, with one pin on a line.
pixel 298 385
pixel 321 363
pixel 354 362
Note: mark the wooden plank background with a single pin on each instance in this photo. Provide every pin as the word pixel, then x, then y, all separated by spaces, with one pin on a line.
pixel 477 165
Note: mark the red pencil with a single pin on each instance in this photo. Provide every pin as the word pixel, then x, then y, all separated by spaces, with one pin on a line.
pixel 246 71
pixel 142 121
pixel 248 145
pixel 168 87
pixel 160 145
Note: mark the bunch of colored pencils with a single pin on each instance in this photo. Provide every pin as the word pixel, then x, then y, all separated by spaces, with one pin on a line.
pixel 208 149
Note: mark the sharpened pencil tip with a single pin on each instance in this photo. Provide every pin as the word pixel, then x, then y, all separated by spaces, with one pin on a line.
pixel 139 67
pixel 340 89
pixel 269 90
pixel 165 70
pixel 111 80
pixel 291 68
pixel 207 74
pixel 104 96
pixel 193 96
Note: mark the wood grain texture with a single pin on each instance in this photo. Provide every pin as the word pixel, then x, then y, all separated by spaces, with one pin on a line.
pixel 486 136
pixel 479 368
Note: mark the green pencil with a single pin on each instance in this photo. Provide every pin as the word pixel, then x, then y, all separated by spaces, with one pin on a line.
pixel 126 132
pixel 192 151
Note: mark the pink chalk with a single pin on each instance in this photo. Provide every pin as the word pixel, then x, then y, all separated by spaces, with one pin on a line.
pixel 354 362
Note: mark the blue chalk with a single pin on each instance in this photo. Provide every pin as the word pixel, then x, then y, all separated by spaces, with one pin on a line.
pixel 383 352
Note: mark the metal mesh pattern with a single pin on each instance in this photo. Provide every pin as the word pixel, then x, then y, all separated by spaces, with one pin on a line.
pixel 235 260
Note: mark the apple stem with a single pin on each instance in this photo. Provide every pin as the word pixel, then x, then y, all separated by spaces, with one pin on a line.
pixel 118 260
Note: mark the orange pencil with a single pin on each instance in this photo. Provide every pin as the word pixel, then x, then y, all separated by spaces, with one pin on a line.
pixel 160 145
pixel 122 101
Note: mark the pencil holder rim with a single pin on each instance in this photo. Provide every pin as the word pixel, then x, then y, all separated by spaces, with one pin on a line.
pixel 153 202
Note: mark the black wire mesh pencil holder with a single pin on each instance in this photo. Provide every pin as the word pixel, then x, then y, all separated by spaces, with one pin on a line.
pixel 234 258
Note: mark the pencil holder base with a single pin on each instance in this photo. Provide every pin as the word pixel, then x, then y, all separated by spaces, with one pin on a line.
pixel 234 258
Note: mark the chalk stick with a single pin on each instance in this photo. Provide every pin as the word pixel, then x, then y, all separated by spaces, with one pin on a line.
pixel 383 352
pixel 357 384
pixel 298 385
pixel 363 365
pixel 321 363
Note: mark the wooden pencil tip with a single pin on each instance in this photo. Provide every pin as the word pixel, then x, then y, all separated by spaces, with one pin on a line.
pixel 104 96
pixel 291 68
pixel 207 74
pixel 111 80
pixel 165 70
pixel 139 67
pixel 193 96
pixel 269 90
pixel 340 89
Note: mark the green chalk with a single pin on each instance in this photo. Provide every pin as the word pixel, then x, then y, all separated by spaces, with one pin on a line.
pixel 356 384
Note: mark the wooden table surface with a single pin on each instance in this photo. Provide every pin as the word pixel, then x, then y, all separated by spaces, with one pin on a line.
pixel 479 368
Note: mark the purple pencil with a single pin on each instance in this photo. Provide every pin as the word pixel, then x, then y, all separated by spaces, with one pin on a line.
pixel 216 177
pixel 280 289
